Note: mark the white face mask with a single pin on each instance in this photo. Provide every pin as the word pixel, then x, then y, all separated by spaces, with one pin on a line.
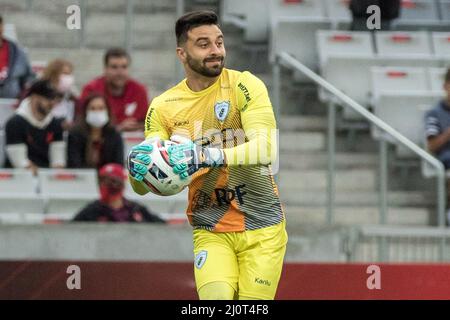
pixel 66 82
pixel 97 119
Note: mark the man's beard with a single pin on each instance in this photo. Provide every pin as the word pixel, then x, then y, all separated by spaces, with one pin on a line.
pixel 201 68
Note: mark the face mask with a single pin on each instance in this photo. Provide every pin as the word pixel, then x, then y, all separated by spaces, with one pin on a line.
pixel 66 82
pixel 97 119
pixel 108 193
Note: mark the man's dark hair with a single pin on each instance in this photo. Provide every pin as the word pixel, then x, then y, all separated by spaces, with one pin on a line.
pixel 192 20
pixel 115 53
pixel 447 76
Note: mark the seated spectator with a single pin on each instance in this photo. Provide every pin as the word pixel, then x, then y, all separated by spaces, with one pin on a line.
pixel 34 138
pixel 15 69
pixel 127 97
pixel 437 130
pixel 93 142
pixel 113 206
pixel 60 74
pixel 389 9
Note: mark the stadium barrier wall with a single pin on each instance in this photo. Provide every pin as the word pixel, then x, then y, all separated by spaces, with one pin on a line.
pixel 174 280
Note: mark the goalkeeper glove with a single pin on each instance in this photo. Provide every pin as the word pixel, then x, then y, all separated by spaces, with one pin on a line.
pixel 187 158
pixel 139 159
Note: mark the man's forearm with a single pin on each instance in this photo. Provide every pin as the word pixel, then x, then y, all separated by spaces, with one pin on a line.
pixel 437 142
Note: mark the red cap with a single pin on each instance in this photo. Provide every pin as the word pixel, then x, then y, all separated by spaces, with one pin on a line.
pixel 113 170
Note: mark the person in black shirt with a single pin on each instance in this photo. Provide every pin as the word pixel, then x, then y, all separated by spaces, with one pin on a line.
pixel 113 206
pixel 34 138
pixel 94 141
pixel 389 10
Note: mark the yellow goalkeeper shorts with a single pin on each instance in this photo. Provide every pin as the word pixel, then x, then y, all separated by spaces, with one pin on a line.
pixel 249 261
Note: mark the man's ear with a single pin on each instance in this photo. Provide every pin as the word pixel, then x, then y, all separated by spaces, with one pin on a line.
pixel 447 86
pixel 181 53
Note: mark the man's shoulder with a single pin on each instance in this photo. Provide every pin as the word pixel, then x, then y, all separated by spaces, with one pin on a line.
pixel 171 95
pixel 437 111
pixel 97 83
pixel 135 85
pixel 16 121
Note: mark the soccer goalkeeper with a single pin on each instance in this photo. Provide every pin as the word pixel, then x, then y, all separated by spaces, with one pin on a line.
pixel 224 124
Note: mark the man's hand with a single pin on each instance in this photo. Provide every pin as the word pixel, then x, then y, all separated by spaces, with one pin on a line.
pixel 139 159
pixel 187 158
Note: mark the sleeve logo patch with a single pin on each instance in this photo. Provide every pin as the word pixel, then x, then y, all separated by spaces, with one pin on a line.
pixel 221 109
pixel 200 259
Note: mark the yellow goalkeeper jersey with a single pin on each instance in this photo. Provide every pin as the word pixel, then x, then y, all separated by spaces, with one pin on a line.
pixel 235 114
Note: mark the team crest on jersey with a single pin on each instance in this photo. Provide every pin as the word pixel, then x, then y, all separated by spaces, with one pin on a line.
pixel 200 259
pixel 221 110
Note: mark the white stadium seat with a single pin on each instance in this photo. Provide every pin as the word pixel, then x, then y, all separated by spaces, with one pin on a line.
pixel 404 111
pixel 9 31
pixel 416 12
pixel 441 44
pixel 297 8
pixel 6 110
pixel 436 78
pixel 403 44
pixel 303 44
pixel 444 9
pixel 67 190
pixel 398 79
pixel 131 139
pixel 338 11
pixel 344 43
pixel 18 192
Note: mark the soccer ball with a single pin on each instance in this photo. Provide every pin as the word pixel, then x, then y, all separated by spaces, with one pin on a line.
pixel 160 178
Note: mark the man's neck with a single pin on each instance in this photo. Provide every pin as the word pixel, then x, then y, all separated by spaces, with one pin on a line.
pixel 117 203
pixel 114 90
pixel 197 82
pixel 37 115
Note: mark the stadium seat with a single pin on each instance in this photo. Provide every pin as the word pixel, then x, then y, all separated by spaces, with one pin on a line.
pixel 18 192
pixel 436 79
pixel 444 9
pixel 9 31
pixel 418 12
pixel 338 12
pixel 252 16
pixel 6 110
pixel 404 111
pixel 404 44
pixel 441 45
pixel 344 43
pixel 298 9
pixel 67 190
pixel 398 79
pixel 131 139
pixel 171 205
pixel 303 45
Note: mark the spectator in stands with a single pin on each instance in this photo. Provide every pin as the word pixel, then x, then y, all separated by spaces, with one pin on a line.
pixel 113 206
pixel 437 130
pixel 60 74
pixel 34 138
pixel 390 10
pixel 128 98
pixel 15 69
pixel 94 141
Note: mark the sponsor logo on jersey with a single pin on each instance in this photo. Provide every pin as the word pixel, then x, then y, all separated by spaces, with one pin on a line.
pixel 181 123
pixel 245 92
pixel 262 281
pixel 221 110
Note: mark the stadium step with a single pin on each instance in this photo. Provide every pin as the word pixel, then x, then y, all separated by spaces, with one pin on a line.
pixel 356 198
pixel 302 123
pixel 301 141
pixel 358 215
pixel 348 180
pixel 319 160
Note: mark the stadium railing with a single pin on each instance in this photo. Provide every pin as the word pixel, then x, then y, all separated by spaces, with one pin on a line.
pixel 283 59
pixel 396 244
